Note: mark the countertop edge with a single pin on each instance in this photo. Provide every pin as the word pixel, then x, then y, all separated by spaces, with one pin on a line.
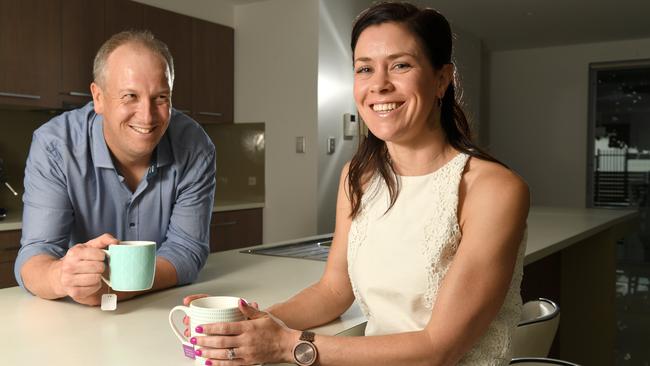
pixel 14 221
pixel 237 206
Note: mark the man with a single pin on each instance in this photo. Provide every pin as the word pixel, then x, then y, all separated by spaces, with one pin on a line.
pixel 124 167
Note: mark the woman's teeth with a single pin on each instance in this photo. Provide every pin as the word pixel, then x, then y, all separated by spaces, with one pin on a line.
pixel 384 107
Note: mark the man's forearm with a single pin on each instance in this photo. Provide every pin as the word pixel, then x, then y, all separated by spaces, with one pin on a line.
pixel 165 274
pixel 41 276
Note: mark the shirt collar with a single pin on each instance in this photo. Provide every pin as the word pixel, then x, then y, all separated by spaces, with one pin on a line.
pixel 102 157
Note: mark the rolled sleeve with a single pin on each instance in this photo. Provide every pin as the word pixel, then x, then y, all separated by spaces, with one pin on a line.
pixel 188 236
pixel 47 212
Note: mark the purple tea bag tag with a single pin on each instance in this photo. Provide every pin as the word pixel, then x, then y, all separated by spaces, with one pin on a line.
pixel 188 349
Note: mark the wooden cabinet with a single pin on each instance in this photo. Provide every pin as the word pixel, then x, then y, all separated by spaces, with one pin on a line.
pixel 123 15
pixel 30 52
pixel 47 48
pixel 9 245
pixel 176 31
pixel 235 229
pixel 82 33
pixel 213 72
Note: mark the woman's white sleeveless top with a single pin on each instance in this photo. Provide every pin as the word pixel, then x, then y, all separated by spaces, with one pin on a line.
pixel 398 259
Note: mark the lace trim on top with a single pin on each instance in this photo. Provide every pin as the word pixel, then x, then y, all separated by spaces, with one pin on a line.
pixel 357 236
pixel 442 232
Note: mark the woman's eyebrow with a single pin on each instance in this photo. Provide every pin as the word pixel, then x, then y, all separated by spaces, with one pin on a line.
pixel 390 57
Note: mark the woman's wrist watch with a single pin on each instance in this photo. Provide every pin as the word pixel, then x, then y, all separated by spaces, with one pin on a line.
pixel 304 352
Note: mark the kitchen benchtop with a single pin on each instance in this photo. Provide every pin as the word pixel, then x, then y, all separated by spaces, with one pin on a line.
pixel 137 333
pixel 14 219
pixel 64 333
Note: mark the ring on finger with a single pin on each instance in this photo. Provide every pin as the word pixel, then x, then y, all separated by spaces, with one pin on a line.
pixel 231 353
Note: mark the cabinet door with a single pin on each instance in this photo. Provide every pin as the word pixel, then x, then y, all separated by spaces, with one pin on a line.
pixel 123 15
pixel 235 229
pixel 82 24
pixel 213 72
pixel 30 52
pixel 9 245
pixel 176 31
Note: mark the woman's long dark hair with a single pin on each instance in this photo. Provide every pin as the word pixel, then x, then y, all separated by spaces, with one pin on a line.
pixel 434 33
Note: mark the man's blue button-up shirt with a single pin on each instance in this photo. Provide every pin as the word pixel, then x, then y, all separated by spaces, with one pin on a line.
pixel 74 193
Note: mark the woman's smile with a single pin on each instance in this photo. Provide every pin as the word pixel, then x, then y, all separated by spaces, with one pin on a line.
pixel 385 109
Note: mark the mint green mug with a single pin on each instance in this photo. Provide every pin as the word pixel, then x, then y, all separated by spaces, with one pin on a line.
pixel 132 265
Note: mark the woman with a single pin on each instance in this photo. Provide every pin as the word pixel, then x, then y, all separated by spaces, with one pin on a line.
pixel 430 230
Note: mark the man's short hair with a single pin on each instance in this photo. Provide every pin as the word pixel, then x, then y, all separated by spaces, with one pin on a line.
pixel 140 37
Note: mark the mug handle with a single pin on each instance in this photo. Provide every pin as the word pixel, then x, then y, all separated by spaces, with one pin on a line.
pixel 185 310
pixel 104 278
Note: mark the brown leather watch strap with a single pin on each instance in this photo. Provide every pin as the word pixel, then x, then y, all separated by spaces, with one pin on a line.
pixel 307 336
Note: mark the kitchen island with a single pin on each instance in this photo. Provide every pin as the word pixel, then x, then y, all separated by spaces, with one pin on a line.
pixel 64 333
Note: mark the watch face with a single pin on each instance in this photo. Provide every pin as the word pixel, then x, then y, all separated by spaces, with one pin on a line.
pixel 305 353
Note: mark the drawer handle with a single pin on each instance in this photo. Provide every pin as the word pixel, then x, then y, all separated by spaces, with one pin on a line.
pixel 186 111
pixel 212 114
pixel 80 94
pixel 23 96
pixel 226 223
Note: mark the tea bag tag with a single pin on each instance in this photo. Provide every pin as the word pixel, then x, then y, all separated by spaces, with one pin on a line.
pixel 109 302
pixel 188 350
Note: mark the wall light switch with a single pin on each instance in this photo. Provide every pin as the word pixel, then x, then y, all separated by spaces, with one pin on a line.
pixel 331 145
pixel 252 181
pixel 350 125
pixel 300 145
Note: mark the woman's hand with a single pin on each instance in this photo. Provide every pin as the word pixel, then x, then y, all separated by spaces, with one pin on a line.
pixel 188 299
pixel 186 319
pixel 261 339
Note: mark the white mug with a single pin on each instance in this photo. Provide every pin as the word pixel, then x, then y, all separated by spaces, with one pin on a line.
pixel 213 309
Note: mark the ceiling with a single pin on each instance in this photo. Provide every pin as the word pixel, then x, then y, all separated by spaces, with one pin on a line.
pixel 516 24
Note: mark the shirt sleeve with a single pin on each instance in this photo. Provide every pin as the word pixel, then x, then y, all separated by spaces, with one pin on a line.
pixel 187 245
pixel 47 211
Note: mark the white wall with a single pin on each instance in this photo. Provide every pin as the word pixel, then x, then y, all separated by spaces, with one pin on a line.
pixel 335 79
pixel 276 69
pixel 468 60
pixel 538 114
pixel 216 11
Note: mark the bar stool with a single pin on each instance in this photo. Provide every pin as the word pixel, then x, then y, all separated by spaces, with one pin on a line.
pixel 535 332
pixel 540 361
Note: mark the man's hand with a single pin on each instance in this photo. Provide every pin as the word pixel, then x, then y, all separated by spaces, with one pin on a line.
pixel 78 274
pixel 80 271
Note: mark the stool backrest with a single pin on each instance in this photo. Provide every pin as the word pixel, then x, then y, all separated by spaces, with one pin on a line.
pixel 536 330
pixel 540 361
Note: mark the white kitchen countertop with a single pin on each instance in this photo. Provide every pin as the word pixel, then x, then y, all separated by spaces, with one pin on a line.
pixel 64 333
pixel 14 220
pixel 551 229
pixel 234 205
